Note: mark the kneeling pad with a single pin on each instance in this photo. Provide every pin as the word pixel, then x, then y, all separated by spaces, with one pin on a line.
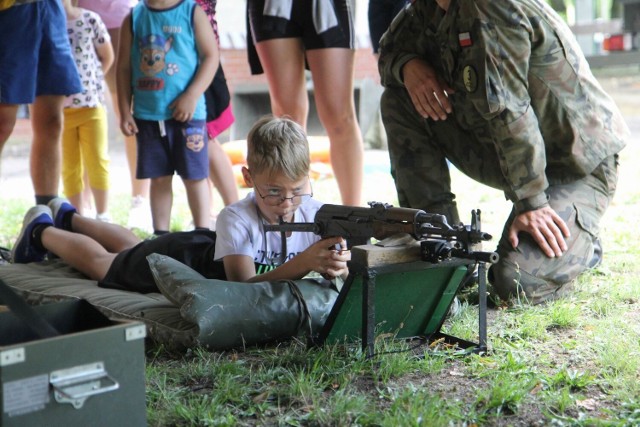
pixel 237 314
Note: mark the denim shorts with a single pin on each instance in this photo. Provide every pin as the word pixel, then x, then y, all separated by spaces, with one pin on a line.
pixel 35 53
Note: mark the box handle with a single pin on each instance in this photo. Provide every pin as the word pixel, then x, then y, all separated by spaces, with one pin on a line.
pixel 77 384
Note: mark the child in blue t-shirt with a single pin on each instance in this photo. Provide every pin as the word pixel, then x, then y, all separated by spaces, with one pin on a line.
pixel 165 63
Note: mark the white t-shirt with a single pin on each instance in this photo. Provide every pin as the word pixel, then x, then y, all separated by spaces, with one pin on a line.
pixel 85 33
pixel 240 231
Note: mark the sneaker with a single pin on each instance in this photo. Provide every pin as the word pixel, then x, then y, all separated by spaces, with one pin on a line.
pixel 140 215
pixel 59 209
pixel 104 217
pixel 24 250
pixel 89 213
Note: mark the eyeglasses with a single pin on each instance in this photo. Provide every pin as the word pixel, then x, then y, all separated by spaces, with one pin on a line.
pixel 278 199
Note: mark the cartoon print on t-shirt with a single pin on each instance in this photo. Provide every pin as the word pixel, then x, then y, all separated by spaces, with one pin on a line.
pixel 86 33
pixel 153 52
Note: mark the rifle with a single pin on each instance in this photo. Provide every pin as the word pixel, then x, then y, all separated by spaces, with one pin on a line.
pixel 357 225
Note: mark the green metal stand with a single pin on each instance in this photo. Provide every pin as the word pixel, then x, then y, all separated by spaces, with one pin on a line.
pixel 402 300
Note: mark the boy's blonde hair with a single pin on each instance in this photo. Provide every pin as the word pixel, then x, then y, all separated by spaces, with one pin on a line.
pixel 278 145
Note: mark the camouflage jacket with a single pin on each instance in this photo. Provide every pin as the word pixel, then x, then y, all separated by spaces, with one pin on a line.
pixel 521 84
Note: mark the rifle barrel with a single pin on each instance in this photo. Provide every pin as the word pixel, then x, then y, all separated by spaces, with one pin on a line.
pixel 309 227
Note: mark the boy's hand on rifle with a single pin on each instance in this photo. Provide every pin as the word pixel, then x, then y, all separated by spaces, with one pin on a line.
pixel 326 260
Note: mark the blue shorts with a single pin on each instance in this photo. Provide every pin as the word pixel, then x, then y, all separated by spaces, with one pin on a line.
pixel 35 53
pixel 169 146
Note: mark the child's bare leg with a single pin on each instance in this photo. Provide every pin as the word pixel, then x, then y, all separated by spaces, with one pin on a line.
pixel 283 63
pixel 81 252
pixel 77 201
pixel 139 215
pixel 45 159
pixel 221 173
pixel 139 187
pixel 86 195
pixel 199 201
pixel 101 199
pixel 112 237
pixel 161 202
pixel 8 116
pixel 332 72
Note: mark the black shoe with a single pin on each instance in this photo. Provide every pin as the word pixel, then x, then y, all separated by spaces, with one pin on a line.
pixel 596 260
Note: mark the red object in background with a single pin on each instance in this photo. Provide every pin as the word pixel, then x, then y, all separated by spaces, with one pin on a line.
pixel 617 42
pixel 614 42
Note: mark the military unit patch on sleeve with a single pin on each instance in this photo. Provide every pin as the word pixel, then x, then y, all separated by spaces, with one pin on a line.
pixel 470 78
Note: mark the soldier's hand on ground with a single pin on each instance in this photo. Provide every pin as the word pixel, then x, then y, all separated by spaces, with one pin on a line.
pixel 428 92
pixel 545 226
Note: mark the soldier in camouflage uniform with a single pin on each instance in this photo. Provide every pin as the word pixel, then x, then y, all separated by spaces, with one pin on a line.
pixel 502 91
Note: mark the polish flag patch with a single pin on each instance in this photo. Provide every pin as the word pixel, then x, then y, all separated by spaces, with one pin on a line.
pixel 465 39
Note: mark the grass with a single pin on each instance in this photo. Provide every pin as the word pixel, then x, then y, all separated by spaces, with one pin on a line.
pixel 572 362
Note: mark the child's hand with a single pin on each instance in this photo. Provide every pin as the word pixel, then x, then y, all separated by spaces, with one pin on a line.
pixel 327 260
pixel 128 125
pixel 184 106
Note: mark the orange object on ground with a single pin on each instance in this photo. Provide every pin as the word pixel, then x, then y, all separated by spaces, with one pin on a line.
pixel 318 150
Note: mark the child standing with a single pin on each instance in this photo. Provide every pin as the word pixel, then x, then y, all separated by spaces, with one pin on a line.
pixel 165 63
pixel 36 68
pixel 278 169
pixel 85 136
pixel 113 13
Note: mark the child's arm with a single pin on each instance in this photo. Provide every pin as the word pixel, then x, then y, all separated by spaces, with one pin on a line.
pixel 105 55
pixel 320 257
pixel 123 79
pixel 185 105
pixel 102 44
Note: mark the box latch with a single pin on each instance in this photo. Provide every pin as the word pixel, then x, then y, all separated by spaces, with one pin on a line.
pixel 77 384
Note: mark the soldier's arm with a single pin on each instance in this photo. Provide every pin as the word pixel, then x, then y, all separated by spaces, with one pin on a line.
pixel 501 95
pixel 401 43
pixel 403 62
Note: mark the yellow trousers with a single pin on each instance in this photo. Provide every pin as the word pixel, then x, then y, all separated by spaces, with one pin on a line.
pixel 85 144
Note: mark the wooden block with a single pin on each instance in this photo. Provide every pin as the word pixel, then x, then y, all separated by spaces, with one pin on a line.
pixel 375 256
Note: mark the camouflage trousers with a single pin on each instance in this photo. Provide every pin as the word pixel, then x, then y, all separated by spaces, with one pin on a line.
pixel 419 151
